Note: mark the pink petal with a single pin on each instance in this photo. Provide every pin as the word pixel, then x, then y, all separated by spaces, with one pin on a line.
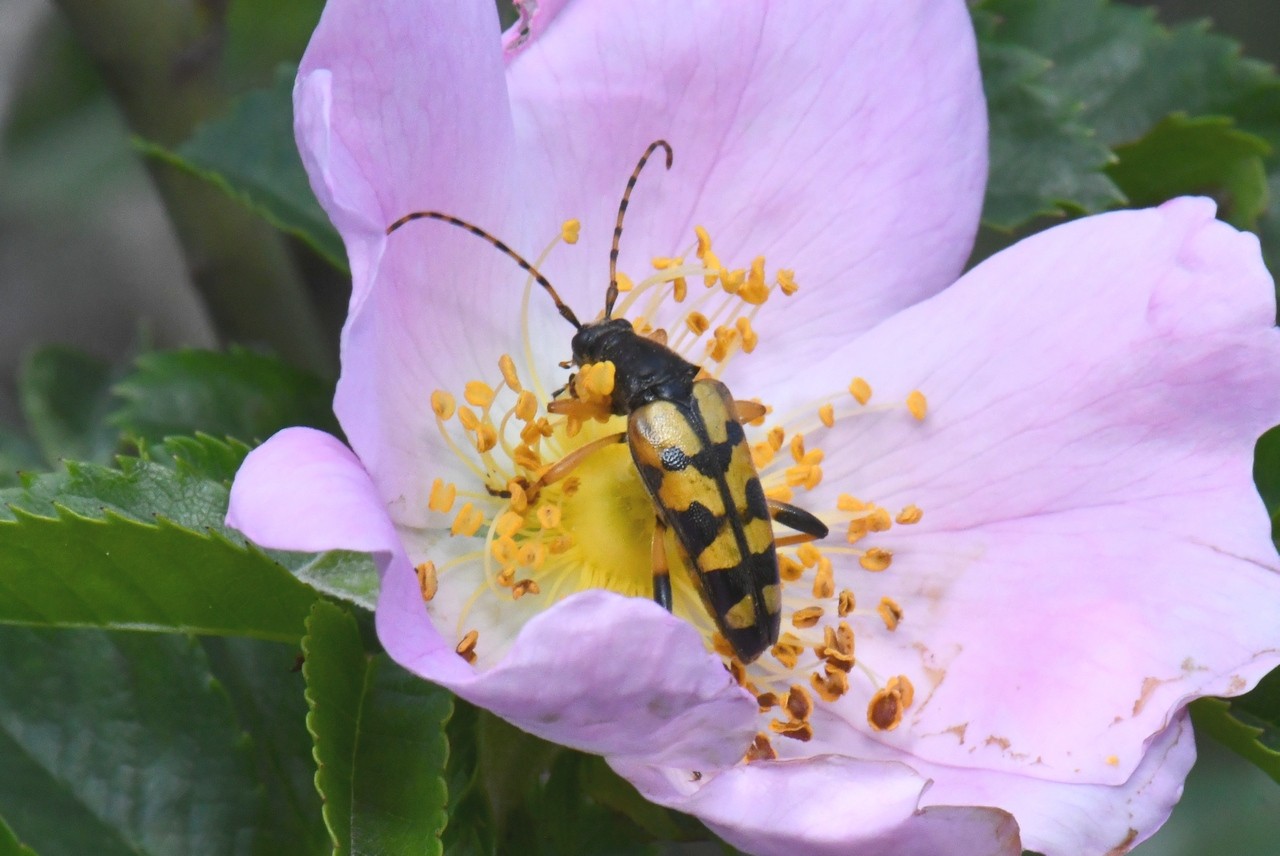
pixel 400 106
pixel 1093 551
pixel 403 107
pixel 828 805
pixel 599 672
pixel 849 146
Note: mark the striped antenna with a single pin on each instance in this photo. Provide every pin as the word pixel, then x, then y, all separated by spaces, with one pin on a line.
pixel 612 294
pixel 565 311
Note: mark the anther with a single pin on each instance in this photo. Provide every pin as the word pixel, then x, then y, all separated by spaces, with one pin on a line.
pixel 847 604
pixel 468 521
pixel 884 711
pixel 755 291
pixel 749 337
pixel 890 612
pixel 806 617
pixel 478 393
pixel 781 493
pixel 903 687
pixel 760 750
pixel 486 438
pixel 443 404
pixel 797 448
pixel 876 559
pixel 570 230
pixel 830 685
pixel 766 701
pixel 789 569
pixel 697 323
pixel 523 588
pixel 824 583
pixel 808 555
pixel 787 281
pixel 468 418
pixel 467 647
pixel 624 282
pixel 442 496
pixel 910 514
pixel 827 413
pixel 428 582
pixel 860 390
pixel 549 516
pixel 509 523
pixel 788 649
pixel 776 436
pixel 798 704
pixel 507 366
pixel 917 404
pixel 526 407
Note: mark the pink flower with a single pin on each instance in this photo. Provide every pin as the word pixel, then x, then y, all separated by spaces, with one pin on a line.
pixel 1045 536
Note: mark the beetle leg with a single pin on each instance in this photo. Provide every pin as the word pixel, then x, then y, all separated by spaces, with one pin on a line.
pixel 809 527
pixel 565 465
pixel 661 574
pixel 749 411
pixel 578 409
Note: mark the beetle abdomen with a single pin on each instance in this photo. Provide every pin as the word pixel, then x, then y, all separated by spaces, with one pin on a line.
pixel 694 459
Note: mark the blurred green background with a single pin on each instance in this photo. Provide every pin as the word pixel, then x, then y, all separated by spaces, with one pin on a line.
pixel 89 256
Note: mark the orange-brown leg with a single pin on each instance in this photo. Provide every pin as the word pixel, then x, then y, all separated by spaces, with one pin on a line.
pixel 661 572
pixel 749 411
pixel 566 465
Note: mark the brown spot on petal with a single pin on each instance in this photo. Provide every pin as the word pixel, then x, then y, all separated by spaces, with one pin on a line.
pixel 1124 846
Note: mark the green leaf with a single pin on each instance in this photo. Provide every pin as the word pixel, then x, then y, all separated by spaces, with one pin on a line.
pixel 238 394
pixel 1266 469
pixel 1204 156
pixel 264 683
pixel 380 743
pixel 250 153
pixel 1123 69
pixel 120 744
pixel 341 574
pixel 65 396
pixel 1253 738
pixel 1069 79
pixel 9 843
pixel 1043 159
pixel 470 830
pixel 17 454
pixel 74 553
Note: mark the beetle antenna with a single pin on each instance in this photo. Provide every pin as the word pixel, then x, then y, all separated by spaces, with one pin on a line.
pixel 612 294
pixel 565 311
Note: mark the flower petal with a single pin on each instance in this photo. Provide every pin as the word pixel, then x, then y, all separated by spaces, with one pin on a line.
pixel 402 106
pixel 304 490
pixel 1093 551
pixel 863 171
pixel 827 805
pixel 598 672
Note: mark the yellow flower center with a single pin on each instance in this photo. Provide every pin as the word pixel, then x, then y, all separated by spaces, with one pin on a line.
pixel 556 505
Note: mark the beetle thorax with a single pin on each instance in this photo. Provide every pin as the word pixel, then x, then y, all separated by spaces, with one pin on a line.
pixel 647 370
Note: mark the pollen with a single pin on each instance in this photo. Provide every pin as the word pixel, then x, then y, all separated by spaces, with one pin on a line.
pixel 860 390
pixel 917 404
pixel 442 496
pixel 570 230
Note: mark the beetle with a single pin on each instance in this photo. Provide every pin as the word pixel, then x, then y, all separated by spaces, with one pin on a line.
pixel 687 442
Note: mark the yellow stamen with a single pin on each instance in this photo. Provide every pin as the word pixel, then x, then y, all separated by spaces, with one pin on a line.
pixel 570 230
pixel 890 612
pixel 478 393
pixel 910 514
pixel 787 281
pixel 827 415
pixel 468 520
pixel 428 582
pixel 508 368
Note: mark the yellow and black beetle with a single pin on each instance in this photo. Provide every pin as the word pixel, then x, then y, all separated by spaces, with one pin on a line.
pixel 688 445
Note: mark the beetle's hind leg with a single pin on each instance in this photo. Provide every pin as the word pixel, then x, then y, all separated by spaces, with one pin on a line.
pixel 661 572
pixel 808 527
